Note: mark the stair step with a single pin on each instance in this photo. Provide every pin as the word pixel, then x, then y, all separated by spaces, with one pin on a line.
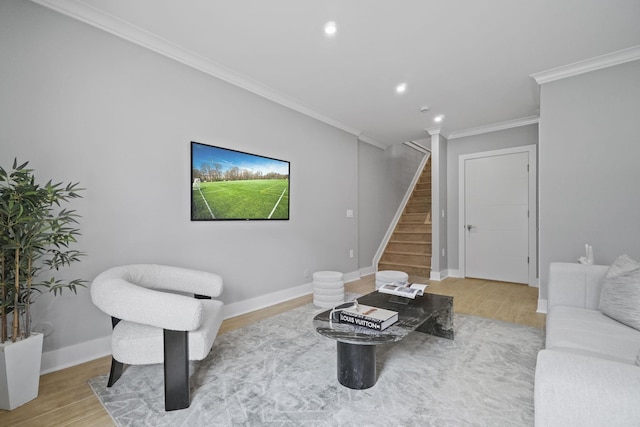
pixel 409 269
pixel 422 193
pixel 418 209
pixel 409 247
pixel 413 218
pixel 400 236
pixel 419 260
pixel 413 227
pixel 415 201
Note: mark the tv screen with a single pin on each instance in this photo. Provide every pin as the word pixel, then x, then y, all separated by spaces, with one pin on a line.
pixel 231 185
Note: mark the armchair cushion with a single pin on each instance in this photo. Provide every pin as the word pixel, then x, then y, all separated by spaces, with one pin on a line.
pixel 132 293
pixel 138 344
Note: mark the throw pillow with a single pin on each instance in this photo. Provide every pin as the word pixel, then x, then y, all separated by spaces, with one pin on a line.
pixel 620 296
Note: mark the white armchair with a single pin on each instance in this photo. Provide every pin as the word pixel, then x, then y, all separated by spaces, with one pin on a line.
pixel 153 324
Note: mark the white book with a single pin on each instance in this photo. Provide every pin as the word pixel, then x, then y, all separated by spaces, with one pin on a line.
pixel 408 290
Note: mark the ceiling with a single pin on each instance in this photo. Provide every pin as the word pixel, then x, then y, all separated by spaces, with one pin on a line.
pixel 469 60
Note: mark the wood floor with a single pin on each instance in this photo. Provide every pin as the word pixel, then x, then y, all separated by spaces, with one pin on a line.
pixel 65 398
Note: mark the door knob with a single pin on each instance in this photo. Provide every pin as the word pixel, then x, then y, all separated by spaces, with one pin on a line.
pixel 469 227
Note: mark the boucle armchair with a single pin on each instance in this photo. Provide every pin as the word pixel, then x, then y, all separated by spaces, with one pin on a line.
pixel 153 324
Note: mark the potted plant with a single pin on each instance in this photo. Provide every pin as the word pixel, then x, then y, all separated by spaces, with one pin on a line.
pixel 36 236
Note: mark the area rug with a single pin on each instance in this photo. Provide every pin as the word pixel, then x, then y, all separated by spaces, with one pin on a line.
pixel 280 372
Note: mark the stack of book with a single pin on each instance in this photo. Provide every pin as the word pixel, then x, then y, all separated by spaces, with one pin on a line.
pixel 369 317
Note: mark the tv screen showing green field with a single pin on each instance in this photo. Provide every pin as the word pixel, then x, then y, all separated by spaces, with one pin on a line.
pixel 232 185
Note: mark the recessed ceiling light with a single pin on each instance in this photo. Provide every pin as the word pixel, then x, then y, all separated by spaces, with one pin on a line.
pixel 438 118
pixel 401 88
pixel 330 28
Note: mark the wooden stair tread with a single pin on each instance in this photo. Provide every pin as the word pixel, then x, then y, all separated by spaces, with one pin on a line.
pixel 412 242
pixel 413 232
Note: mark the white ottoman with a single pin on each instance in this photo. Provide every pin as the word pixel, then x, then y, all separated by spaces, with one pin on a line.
pixel 389 276
pixel 328 288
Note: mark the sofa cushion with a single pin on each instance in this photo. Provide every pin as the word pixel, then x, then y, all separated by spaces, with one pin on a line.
pixel 620 295
pixel 591 332
pixel 578 391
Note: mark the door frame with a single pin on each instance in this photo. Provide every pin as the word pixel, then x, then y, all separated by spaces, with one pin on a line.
pixel 533 208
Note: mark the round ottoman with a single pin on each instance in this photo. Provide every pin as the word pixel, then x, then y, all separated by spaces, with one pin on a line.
pixel 385 277
pixel 328 288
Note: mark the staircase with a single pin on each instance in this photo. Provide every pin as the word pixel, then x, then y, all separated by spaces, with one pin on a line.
pixel 409 248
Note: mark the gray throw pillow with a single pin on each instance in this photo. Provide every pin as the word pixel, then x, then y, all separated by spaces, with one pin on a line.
pixel 620 297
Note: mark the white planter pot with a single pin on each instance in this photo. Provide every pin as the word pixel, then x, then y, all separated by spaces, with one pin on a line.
pixel 20 371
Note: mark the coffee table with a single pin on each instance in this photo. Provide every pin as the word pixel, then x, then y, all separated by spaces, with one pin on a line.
pixel 356 345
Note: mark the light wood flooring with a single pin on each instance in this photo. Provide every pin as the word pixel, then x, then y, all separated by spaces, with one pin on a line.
pixel 65 398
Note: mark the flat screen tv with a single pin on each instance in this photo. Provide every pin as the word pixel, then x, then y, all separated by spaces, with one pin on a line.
pixel 228 185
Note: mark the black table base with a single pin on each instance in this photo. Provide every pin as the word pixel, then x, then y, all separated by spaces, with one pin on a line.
pixel 356 365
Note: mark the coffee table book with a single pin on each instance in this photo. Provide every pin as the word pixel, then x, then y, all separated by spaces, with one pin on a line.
pixel 369 317
pixel 408 290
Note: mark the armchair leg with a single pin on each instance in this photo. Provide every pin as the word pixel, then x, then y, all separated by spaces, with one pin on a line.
pixel 116 372
pixel 116 367
pixel 176 370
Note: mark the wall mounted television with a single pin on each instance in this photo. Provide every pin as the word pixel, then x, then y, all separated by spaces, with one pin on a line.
pixel 230 185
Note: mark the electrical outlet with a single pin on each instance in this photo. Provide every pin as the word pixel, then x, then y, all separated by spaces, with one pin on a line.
pixel 442 251
pixel 307 274
pixel 350 253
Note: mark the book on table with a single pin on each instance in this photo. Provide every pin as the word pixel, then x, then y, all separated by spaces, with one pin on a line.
pixel 369 317
pixel 408 290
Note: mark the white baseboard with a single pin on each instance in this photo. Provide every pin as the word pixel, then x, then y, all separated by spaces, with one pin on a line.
pixel 439 275
pixel 367 271
pixel 354 275
pixel 456 273
pixel 76 354
pixel 542 306
pixel 262 301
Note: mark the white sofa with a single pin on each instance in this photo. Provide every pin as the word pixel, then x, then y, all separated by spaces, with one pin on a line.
pixel 587 374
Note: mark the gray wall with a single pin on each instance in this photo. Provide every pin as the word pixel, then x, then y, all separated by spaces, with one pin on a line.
pixel 589 167
pixel 384 177
pixel 82 105
pixel 515 137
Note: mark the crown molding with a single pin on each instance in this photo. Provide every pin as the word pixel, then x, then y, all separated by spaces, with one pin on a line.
pixel 83 12
pixel 373 142
pixel 524 121
pixel 435 131
pixel 592 64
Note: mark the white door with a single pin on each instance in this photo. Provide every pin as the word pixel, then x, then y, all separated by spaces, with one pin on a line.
pixel 496 217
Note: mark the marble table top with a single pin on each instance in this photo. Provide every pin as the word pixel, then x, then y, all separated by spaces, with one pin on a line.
pixel 431 313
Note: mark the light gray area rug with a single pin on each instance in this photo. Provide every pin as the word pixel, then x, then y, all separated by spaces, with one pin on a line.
pixel 280 372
